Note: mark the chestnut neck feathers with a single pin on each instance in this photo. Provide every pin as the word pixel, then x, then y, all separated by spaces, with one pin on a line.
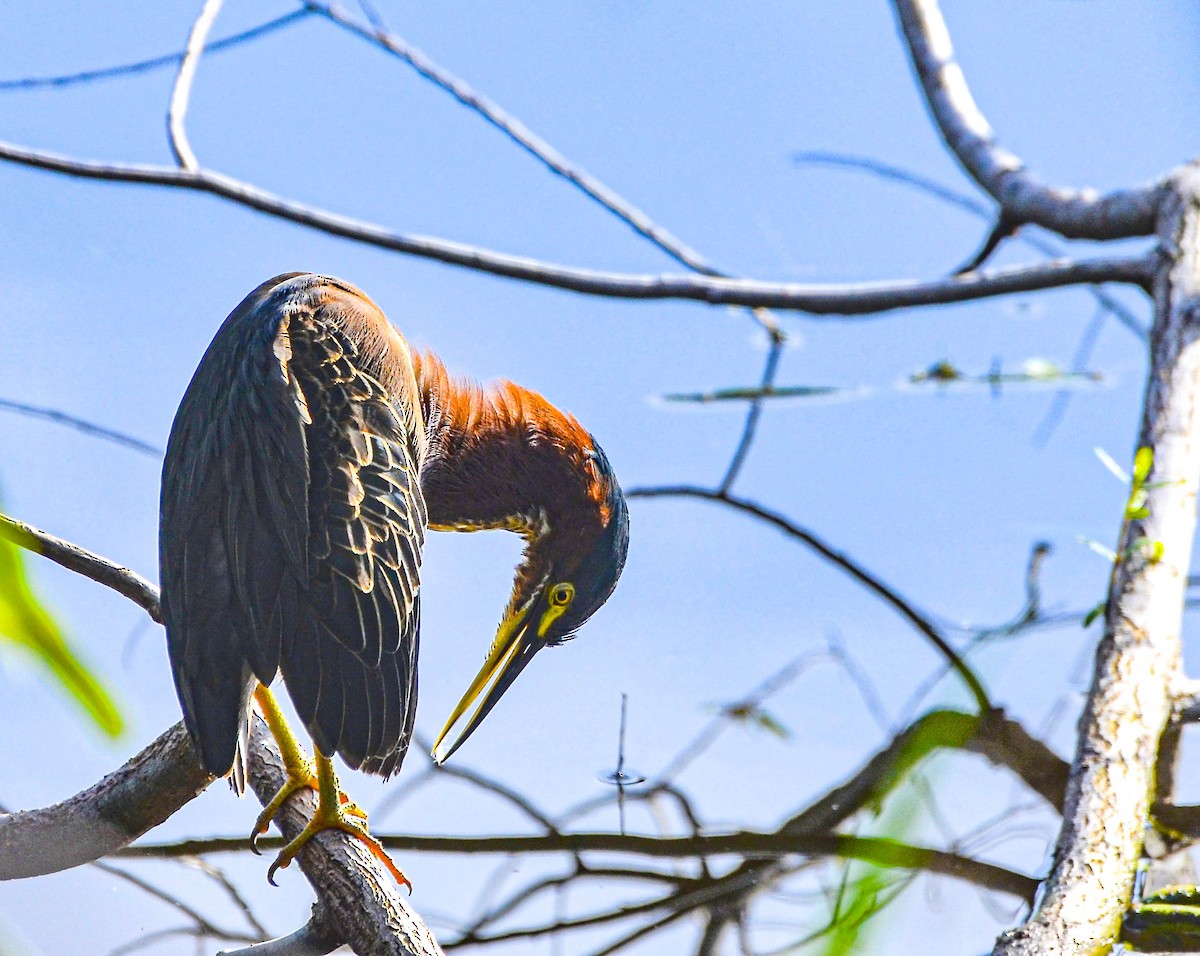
pixel 504 457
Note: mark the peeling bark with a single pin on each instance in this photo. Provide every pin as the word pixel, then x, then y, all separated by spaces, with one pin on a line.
pixel 1137 663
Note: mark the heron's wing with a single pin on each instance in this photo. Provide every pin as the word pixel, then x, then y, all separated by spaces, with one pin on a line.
pixel 292 527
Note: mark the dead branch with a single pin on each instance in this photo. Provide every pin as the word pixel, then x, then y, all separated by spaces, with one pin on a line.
pixel 1073 213
pixel 128 583
pixel 143 793
pixel 1137 662
pixel 832 299
pixel 177 136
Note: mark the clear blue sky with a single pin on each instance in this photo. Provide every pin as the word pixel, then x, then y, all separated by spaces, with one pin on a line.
pixel 693 111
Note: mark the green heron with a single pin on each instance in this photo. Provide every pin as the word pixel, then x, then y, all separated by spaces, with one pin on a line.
pixel 311 451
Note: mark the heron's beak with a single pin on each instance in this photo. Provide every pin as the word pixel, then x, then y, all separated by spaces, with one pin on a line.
pixel 515 644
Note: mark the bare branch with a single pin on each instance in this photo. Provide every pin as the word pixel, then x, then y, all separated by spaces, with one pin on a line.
pixel 74 558
pixel 362 903
pixel 1137 662
pixel 314 938
pixel 107 816
pixel 81 425
pixel 840 560
pixel 154 63
pixel 181 149
pixel 843 300
pixel 933 188
pixel 524 137
pixel 770 367
pixel 203 925
pixel 1073 213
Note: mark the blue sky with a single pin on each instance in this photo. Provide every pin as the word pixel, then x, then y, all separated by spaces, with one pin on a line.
pixel 692 111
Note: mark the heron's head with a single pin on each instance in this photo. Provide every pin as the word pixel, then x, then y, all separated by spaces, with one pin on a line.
pixel 575 555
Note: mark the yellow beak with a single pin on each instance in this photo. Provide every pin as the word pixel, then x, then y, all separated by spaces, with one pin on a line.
pixel 512 649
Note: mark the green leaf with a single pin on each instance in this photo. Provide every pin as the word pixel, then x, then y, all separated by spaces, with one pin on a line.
pixel 1090 618
pixel 1137 500
pixel 26 623
pixel 1142 463
pixel 771 724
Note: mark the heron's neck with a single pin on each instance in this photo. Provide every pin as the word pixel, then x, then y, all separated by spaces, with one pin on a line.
pixel 503 457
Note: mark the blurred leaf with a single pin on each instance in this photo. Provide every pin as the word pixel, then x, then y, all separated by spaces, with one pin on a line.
pixel 753 715
pixel 863 898
pixel 1142 463
pixel 1090 618
pixel 1042 370
pixel 26 623
pixel 1110 463
pixel 941 371
pixel 937 729
pixel 749 394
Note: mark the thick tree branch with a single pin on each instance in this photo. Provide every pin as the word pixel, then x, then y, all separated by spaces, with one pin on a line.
pixel 1137 662
pixel 106 817
pixel 1073 213
pixel 74 558
pixel 361 902
pixel 841 300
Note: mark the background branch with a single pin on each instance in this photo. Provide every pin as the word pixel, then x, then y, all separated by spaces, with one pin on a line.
pixel 1073 213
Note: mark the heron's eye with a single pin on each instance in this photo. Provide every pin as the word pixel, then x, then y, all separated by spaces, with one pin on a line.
pixel 562 594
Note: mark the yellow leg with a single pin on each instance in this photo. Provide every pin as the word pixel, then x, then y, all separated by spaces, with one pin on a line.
pixel 334 809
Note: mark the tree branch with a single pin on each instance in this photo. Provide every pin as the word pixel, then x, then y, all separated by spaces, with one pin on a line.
pixel 314 938
pixel 143 793
pixel 1137 661
pixel 1073 213
pixel 843 300
pixel 144 66
pixel 74 558
pixel 840 560
pixel 524 137
pixel 181 149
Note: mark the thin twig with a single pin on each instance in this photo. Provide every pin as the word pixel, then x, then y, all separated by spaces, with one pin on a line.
pixel 81 425
pixel 840 560
pixel 933 188
pixel 154 63
pixel 524 137
pixel 181 149
pixel 202 923
pixel 754 412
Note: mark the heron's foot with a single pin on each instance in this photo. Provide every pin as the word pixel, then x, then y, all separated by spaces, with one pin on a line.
pixel 300 776
pixel 335 811
pixel 348 818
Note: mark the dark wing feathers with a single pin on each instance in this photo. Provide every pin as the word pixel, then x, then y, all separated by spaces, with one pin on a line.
pixel 292 527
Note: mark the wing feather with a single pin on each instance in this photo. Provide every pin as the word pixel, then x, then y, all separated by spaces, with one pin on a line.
pixel 292 525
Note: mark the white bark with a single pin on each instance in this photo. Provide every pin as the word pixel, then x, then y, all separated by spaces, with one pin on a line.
pixel 1137 663
pixel 1073 213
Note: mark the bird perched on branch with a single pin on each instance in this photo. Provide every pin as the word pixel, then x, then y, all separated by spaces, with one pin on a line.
pixel 311 451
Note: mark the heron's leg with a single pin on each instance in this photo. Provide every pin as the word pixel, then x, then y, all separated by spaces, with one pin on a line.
pixel 332 814
pixel 301 771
